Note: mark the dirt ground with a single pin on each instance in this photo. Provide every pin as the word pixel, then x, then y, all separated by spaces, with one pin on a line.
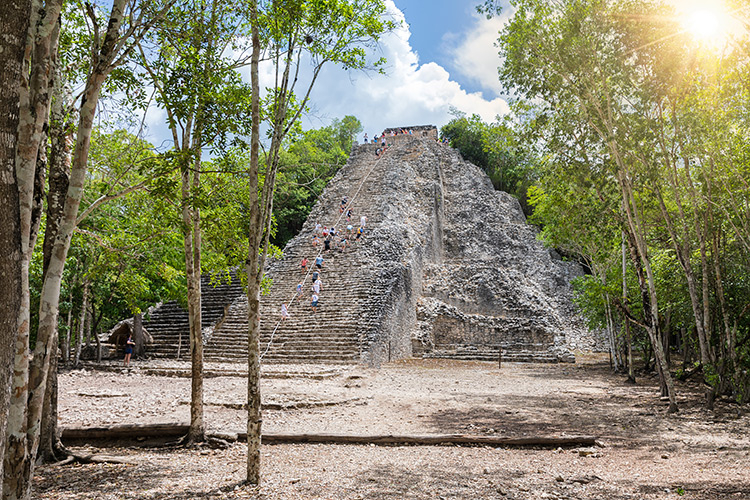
pixel 645 453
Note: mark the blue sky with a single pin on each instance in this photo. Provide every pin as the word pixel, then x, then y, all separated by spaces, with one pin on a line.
pixel 436 27
pixel 441 57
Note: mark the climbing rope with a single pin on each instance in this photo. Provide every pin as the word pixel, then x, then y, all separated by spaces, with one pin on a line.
pixel 296 295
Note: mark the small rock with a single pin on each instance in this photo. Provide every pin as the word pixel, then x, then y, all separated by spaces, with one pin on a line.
pixel 559 479
pixel 665 456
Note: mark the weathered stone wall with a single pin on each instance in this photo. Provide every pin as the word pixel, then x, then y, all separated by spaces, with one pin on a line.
pixel 468 277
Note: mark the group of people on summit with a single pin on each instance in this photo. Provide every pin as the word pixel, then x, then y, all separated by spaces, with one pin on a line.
pixel 383 142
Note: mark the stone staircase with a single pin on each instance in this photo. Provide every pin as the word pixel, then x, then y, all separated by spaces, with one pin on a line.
pixel 168 324
pixel 348 301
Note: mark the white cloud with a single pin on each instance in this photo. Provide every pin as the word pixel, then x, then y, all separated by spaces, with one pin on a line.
pixel 475 55
pixel 409 94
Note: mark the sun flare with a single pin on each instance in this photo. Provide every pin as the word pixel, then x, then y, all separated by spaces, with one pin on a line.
pixel 707 21
pixel 704 24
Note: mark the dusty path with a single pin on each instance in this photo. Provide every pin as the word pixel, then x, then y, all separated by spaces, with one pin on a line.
pixel 647 454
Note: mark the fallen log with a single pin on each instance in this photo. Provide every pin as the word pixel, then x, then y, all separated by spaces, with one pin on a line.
pixel 125 431
pixel 136 431
pixel 429 440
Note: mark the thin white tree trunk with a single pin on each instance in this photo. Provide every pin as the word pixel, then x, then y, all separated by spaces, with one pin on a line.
pixel 253 270
pixel 611 334
pixel 192 238
pixel 82 321
pixel 628 335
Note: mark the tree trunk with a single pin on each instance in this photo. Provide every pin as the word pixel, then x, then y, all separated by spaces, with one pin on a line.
pixel 730 333
pixel 68 326
pixel 98 348
pixel 641 263
pixel 138 335
pixel 18 478
pixel 665 334
pixel 14 25
pixel 684 252
pixel 34 98
pixel 253 271
pixel 613 352
pixel 628 332
pixel 82 321
pixel 87 330
pixel 191 226
pixel 50 446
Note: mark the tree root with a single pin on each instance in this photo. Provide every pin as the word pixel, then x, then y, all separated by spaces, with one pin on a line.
pixel 94 459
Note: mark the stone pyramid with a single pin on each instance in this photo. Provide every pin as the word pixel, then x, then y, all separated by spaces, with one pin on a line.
pixel 448 267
